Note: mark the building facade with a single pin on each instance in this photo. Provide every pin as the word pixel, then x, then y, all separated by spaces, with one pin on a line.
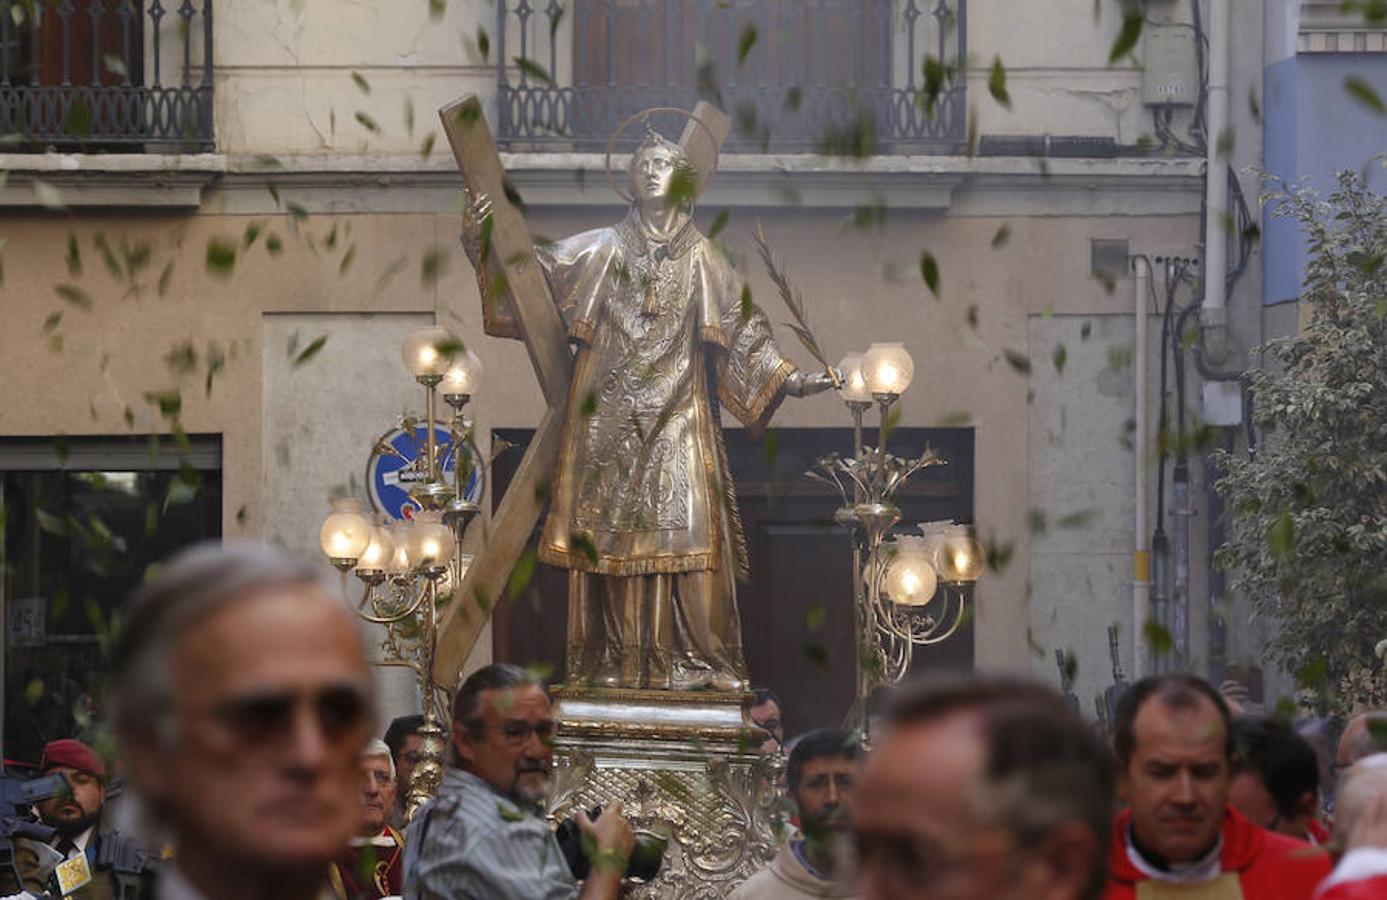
pixel 195 197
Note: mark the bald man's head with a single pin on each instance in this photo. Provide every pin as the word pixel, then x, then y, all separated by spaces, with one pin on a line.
pixel 1364 735
pixel 1364 785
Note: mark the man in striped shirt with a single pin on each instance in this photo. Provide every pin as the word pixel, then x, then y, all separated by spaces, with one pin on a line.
pixel 483 837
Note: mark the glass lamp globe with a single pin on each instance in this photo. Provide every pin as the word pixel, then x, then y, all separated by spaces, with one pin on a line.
pixel 887 369
pixel 910 579
pixel 464 375
pixel 430 542
pixel 961 557
pixel 378 553
pixel 854 385
pixel 346 532
pixel 428 352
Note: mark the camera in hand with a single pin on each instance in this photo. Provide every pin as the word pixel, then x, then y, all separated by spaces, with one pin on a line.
pixel 647 854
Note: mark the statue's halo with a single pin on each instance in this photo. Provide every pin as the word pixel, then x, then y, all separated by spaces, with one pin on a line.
pixel 704 178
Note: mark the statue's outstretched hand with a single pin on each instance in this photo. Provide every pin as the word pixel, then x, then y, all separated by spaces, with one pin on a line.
pixel 801 385
pixel 474 218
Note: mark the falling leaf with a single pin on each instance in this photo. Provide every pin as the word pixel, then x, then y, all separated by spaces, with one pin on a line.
pixel 273 245
pixel 1059 357
pixel 683 186
pixel 47 195
pixel 252 232
pixel 347 259
pixel 817 654
pixel 1313 674
pixel 74 295
pixel 426 147
pixel 361 83
pixel 522 574
pixel 933 71
pixel 794 97
pixel 1281 536
pixel 929 271
pixel 584 545
pixel 588 409
pixel 52 322
pixel 310 351
pixel 367 122
pixel 115 65
pixel 815 617
pixel 746 42
pixel 1018 361
pixel 719 224
pixel 745 304
pixel 1157 637
pixel 532 69
pixel 1359 89
pixel 1000 238
pixel 772 439
pixel 997 83
pixel 431 265
pixel 221 257
pixel 1127 38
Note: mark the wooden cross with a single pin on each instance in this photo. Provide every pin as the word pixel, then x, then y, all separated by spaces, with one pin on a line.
pixel 542 329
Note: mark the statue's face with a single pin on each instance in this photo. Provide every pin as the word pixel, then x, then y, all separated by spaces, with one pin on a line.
pixel 652 171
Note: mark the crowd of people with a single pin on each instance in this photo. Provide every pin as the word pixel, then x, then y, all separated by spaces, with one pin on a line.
pixel 240 697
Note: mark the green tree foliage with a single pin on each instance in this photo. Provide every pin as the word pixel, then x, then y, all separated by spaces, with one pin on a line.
pixel 1308 512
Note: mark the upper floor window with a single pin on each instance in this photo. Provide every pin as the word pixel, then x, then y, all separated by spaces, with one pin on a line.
pixel 106 75
pixel 795 75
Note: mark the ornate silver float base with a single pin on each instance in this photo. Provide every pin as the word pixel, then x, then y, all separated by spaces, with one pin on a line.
pixel 684 766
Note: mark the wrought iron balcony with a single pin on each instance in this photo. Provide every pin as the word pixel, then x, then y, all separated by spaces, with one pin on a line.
pixel 106 75
pixel 839 76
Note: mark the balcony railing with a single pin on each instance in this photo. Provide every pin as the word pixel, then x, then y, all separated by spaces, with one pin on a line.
pixel 795 75
pixel 106 75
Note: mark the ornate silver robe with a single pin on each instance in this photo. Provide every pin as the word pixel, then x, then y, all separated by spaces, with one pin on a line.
pixel 664 333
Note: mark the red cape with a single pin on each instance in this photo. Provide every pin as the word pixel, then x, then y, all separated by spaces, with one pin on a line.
pixel 1269 866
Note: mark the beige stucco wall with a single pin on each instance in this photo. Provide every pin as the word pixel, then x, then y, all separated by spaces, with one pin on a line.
pixel 860 287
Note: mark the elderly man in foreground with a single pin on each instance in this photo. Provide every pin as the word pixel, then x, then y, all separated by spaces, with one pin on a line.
pixel 483 837
pixel 983 789
pixel 241 697
pixel 1179 835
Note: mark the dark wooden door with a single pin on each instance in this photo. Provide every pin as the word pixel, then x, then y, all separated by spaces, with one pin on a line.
pixel 797 607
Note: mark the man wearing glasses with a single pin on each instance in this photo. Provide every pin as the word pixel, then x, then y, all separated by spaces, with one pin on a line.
pixel 240 695
pixel 983 789
pixel 483 837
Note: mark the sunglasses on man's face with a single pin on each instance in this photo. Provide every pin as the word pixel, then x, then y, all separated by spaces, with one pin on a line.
pixel 263 717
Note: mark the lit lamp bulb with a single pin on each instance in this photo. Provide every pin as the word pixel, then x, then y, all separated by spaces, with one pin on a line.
pixel 887 369
pixel 428 352
pixel 398 564
pixel 960 557
pixel 345 533
pixel 854 385
pixel 430 542
pixel 910 579
pixel 377 554
pixel 463 378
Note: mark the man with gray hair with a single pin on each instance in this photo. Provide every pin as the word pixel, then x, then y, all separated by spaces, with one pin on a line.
pixel 373 865
pixel 984 789
pixel 240 695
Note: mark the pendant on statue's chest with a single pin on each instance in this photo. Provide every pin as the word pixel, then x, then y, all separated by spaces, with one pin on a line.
pixel 651 306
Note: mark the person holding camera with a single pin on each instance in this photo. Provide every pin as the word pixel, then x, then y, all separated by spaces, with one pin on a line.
pixel 484 835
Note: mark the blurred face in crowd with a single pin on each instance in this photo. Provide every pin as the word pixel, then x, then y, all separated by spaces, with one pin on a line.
pixel 767 715
pixel 920 834
pixel 824 795
pixel 271 716
pixel 1176 782
pixel 404 765
pixel 513 747
pixel 1249 796
pixel 71 814
pixel 377 793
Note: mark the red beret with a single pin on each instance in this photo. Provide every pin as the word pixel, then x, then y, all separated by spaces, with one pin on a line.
pixel 74 754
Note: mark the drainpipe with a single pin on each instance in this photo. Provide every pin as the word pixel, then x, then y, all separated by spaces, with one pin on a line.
pixel 1141 546
pixel 1213 312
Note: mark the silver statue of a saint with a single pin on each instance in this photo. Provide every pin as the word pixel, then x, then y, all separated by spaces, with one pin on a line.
pixel 643 512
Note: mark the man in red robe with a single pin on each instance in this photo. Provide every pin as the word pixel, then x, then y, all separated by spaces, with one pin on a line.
pixel 373 865
pixel 1362 818
pixel 1178 836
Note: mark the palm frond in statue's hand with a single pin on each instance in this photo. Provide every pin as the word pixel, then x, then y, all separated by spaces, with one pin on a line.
pixel 793 300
